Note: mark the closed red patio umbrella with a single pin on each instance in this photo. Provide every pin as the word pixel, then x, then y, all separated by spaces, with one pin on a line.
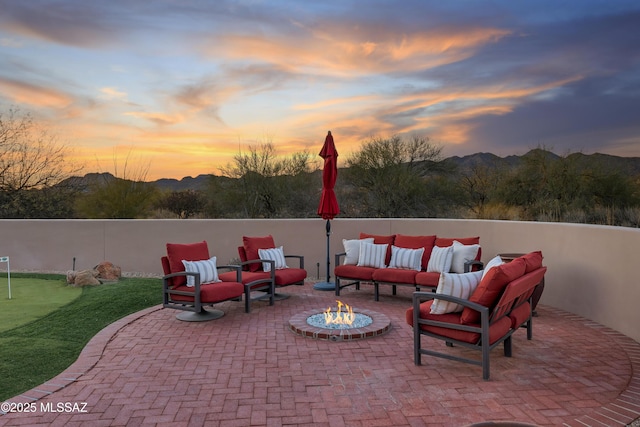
pixel 328 207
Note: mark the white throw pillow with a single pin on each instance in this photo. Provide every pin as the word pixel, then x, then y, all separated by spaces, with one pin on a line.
pixel 461 255
pixel 494 262
pixel 406 258
pixel 372 255
pixel 273 254
pixel 352 249
pixel 207 270
pixel 456 285
pixel 440 260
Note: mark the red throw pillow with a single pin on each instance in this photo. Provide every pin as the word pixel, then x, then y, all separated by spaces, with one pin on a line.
pixel 176 252
pixel 381 240
pixel 490 288
pixel 417 242
pixel 251 246
pixel 443 242
pixel 533 261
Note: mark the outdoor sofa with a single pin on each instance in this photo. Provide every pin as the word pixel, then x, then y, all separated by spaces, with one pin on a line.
pixel 477 310
pixel 403 260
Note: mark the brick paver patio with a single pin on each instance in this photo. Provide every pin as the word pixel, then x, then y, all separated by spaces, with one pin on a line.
pixel 249 369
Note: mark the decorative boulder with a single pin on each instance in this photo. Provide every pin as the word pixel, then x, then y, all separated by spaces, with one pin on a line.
pixel 108 272
pixel 71 277
pixel 86 278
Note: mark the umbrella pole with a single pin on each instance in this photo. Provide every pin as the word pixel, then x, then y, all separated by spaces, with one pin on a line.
pixel 328 228
pixel 327 286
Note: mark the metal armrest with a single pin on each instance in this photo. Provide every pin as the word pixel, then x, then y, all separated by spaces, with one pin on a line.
pixel 339 256
pixel 420 297
pixel 300 259
pixel 236 267
pixel 468 266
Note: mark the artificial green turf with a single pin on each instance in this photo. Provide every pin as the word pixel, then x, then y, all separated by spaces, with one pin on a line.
pixel 32 298
pixel 35 352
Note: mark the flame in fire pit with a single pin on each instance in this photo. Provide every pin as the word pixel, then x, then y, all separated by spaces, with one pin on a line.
pixel 339 317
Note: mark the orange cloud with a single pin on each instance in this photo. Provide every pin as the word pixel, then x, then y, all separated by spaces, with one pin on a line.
pixel 113 93
pixel 344 52
pixel 34 95
pixel 158 118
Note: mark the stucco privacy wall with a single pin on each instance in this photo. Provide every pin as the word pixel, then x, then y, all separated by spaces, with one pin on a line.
pixel 592 269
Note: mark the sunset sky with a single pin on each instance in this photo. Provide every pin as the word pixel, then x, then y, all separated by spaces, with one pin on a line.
pixel 184 85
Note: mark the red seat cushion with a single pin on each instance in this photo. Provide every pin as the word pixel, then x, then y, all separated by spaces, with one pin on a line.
pixel 284 277
pixel 491 287
pixel 496 330
pixel 416 242
pixel 251 246
pixel 381 240
pixel 520 314
pixel 394 275
pixel 354 272
pixel 176 252
pixel 211 292
pixel 289 276
pixel 425 278
pixel 246 276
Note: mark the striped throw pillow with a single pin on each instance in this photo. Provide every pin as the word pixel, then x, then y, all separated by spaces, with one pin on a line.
pixel 207 270
pixel 455 285
pixel 372 255
pixel 440 260
pixel 273 254
pixel 352 250
pixel 409 259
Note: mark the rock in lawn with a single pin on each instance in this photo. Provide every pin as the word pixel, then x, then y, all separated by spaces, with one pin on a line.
pixel 108 272
pixel 86 278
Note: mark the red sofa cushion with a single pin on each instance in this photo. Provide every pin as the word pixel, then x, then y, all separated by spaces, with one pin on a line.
pixel 496 330
pixel 176 252
pixel 395 275
pixel 425 278
pixel 491 286
pixel 354 272
pixel 251 246
pixel 416 242
pixel 211 292
pixel 380 240
pixel 520 314
pixel 443 242
pixel 533 261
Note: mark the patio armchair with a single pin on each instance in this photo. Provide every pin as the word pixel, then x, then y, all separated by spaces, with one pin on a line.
pixel 499 305
pixel 260 259
pixel 191 282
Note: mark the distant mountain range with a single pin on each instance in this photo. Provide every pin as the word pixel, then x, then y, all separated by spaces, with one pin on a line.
pixel 627 165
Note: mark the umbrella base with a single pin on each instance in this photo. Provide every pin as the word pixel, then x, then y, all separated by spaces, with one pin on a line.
pixel 325 286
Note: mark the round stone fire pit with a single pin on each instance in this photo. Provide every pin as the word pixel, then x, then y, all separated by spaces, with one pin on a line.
pixel 367 324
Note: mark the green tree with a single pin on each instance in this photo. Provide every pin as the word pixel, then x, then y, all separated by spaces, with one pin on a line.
pixel 34 165
pixel 184 204
pixel 126 195
pixel 543 186
pixel 477 186
pixel 267 186
pixel 390 176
